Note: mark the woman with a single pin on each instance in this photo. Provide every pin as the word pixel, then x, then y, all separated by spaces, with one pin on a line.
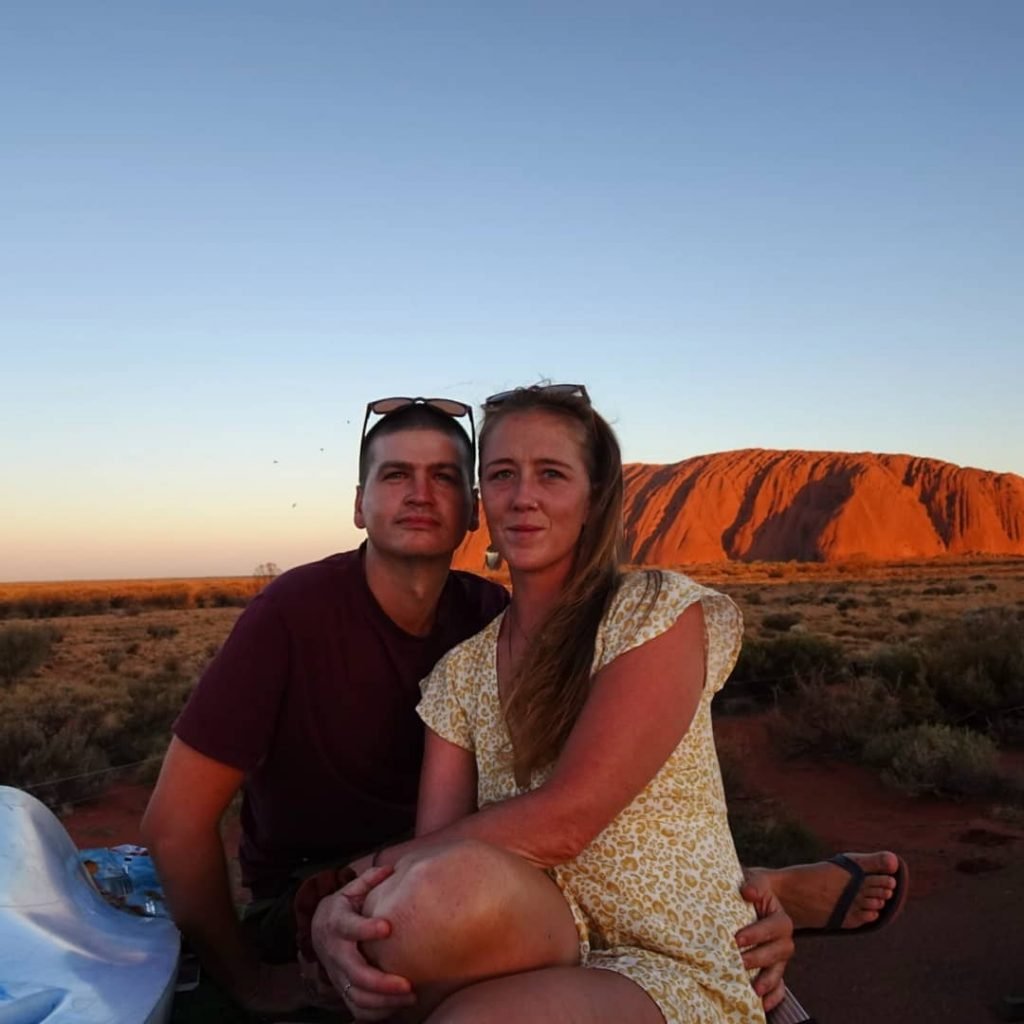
pixel 572 735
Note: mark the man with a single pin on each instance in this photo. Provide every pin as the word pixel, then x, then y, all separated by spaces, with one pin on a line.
pixel 309 708
pixel 311 704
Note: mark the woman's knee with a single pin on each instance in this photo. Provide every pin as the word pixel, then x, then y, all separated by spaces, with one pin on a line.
pixel 441 902
pixel 470 910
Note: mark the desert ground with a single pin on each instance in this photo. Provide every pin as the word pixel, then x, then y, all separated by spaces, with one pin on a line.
pixel 796 787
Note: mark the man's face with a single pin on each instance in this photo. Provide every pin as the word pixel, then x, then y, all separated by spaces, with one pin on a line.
pixel 417 501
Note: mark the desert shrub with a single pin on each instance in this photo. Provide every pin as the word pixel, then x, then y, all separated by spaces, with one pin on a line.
pixel 936 759
pixel 946 589
pixel 765 839
pixel 54 766
pixel 902 668
pixel 753 597
pixel 89 708
pixel 781 621
pixel 976 668
pixel 225 598
pixel 23 649
pixel 910 617
pixel 837 720
pixel 50 737
pixel 113 657
pixel 896 664
pixel 161 631
pixel 51 740
pixel 847 604
pixel 1010 813
pixel 143 727
pixel 780 661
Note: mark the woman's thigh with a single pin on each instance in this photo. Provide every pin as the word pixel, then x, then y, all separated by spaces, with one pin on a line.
pixel 554 995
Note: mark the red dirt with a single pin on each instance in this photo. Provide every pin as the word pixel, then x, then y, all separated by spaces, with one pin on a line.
pixel 958 947
pixel 764 505
pixel 955 951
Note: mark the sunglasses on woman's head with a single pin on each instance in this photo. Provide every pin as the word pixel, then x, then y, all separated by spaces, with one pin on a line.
pixel 446 406
pixel 572 390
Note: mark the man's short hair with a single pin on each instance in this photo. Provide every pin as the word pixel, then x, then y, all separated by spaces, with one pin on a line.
pixel 416 417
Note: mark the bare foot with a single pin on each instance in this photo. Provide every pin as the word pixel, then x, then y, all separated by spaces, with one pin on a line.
pixel 809 892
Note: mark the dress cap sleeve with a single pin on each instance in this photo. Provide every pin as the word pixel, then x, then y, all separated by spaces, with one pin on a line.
pixel 649 602
pixel 442 702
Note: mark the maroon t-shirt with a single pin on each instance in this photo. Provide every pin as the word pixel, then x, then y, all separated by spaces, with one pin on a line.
pixel 313 696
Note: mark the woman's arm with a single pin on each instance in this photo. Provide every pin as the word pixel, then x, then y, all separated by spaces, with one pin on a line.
pixel 447 784
pixel 640 708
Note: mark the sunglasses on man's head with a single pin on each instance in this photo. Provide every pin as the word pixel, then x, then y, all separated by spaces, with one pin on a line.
pixel 446 406
pixel 572 390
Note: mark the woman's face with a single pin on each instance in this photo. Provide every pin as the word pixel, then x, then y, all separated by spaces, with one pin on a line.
pixel 535 489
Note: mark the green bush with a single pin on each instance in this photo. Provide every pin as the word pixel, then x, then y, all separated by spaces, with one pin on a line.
pixel 976 668
pixel 938 760
pixel 781 661
pixel 837 720
pixel 151 703
pixel 54 766
pixel 55 740
pixel 896 664
pixel 23 649
pixel 767 840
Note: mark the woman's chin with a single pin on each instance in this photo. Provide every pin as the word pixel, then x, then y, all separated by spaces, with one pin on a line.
pixel 535 561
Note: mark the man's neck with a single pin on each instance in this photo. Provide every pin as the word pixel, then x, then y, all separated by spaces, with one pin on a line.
pixel 407 589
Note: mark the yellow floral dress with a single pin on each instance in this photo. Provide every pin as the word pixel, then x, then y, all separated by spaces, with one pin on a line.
pixel 655 895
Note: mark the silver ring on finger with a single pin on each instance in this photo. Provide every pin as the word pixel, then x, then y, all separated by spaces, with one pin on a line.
pixel 346 989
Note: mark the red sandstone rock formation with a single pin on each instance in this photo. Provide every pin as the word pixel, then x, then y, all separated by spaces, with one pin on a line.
pixel 757 505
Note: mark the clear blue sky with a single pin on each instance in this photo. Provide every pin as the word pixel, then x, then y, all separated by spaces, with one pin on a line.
pixel 228 225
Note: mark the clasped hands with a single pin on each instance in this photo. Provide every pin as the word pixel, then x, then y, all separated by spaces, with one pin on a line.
pixel 331 926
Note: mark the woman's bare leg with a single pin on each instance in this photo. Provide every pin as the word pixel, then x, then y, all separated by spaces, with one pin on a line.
pixel 467 911
pixel 555 995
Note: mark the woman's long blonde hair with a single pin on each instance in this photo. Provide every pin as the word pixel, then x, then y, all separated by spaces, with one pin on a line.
pixel 552 681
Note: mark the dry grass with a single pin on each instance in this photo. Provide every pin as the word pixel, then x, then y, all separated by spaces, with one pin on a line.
pixel 103 699
pixel 864 606
pixel 119 675
pixel 49 600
